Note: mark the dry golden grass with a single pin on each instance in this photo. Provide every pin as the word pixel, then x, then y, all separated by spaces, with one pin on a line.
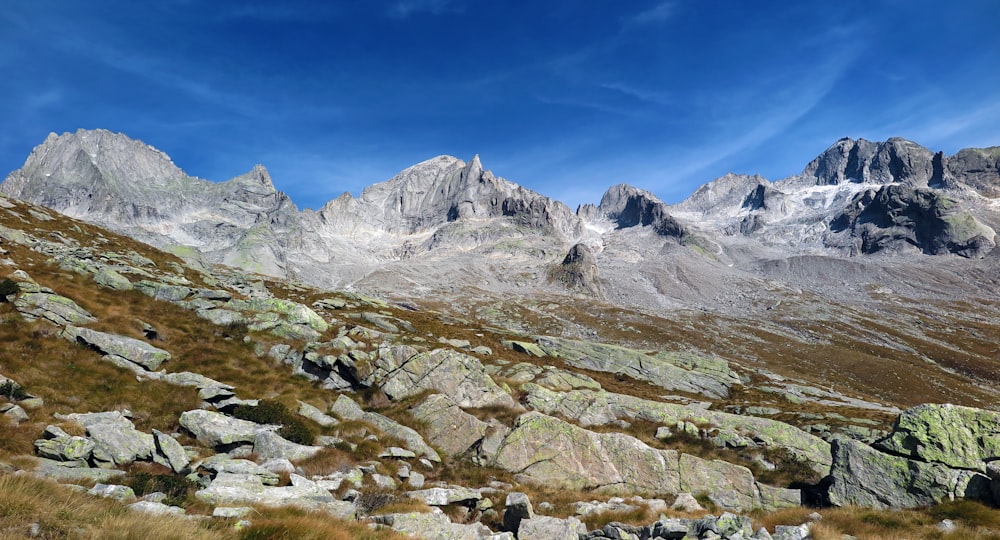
pixel 62 513
pixel 295 524
pixel 973 521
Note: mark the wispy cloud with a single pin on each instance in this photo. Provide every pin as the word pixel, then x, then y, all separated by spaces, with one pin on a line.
pixel 405 8
pixel 657 14
pixel 649 96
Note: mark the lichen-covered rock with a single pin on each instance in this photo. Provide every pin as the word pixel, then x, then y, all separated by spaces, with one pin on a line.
pixel 116 441
pixel 437 526
pixel 270 445
pixel 550 528
pixel 730 486
pixel 449 428
pixel 347 409
pixel 460 376
pixel 216 429
pixel 221 463
pixel 600 408
pixel 65 448
pixel 634 364
pixel 133 350
pixel 863 476
pixel 956 436
pixel 550 451
pixel 111 279
pixel 170 453
pixel 37 302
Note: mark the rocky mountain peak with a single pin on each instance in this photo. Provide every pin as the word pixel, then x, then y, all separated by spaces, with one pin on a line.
pixel 896 160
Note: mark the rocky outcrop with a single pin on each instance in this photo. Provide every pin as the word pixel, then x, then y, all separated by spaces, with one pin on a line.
pixel 978 168
pixel 460 376
pixel 629 206
pixel 893 161
pixel 619 360
pixel 215 429
pixel 934 453
pixel 578 270
pixel 130 349
pixel 863 476
pixel 952 435
pixel 900 218
pixel 450 428
pixel 116 441
pixel 603 408
pixel 549 451
pixel 37 302
pixel 348 409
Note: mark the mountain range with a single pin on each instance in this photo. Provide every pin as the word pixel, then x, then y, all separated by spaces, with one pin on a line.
pixel 445 223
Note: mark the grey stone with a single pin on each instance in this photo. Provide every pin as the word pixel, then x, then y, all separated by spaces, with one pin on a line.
pixel 116 492
pixel 232 511
pixel 270 445
pixel 216 429
pixel 788 532
pixel 133 350
pixel 445 496
pixel 111 279
pixel 550 451
pixel 73 471
pixel 221 463
pixel 170 452
pixel 863 476
pixel 449 428
pixel 316 415
pixel 600 408
pixel 550 528
pixel 460 376
pixel 116 441
pixel 347 409
pixel 516 508
pixel 155 508
pixel 956 436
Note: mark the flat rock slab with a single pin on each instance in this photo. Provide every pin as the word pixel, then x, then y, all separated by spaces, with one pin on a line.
pixel 554 452
pixel 462 377
pixel 449 428
pixel 270 445
pixel 216 429
pixel 445 496
pixel 600 408
pixel 347 409
pixel 133 350
pixel 435 526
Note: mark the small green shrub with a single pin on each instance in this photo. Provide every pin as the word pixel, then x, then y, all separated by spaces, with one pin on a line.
pixel 175 487
pixel 8 287
pixel 273 412
pixel 12 391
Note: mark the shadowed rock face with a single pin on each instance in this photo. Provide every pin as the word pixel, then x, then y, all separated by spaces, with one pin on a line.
pixel 578 270
pixel 978 168
pixel 631 207
pixel 895 160
pixel 896 216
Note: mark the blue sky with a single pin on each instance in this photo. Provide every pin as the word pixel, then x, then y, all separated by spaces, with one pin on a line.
pixel 566 97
